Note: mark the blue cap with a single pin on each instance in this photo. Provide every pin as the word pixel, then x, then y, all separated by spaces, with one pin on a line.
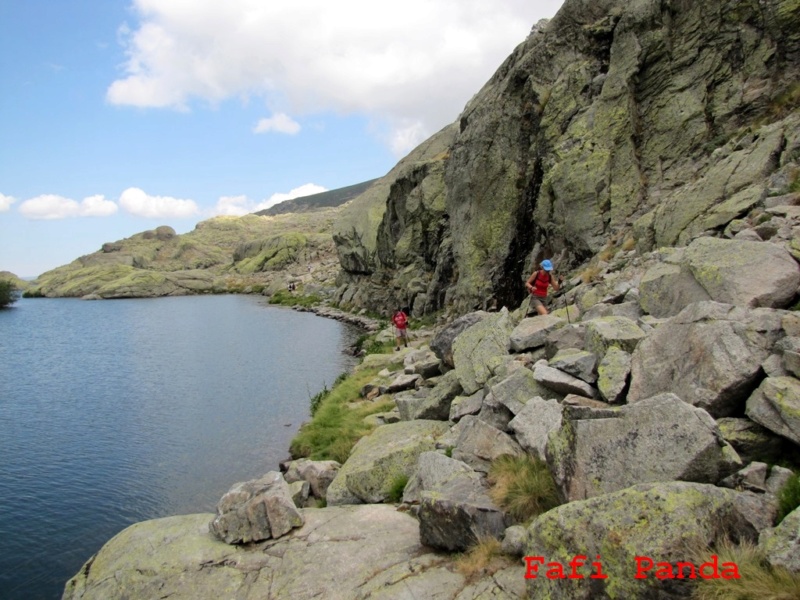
pixel 547 265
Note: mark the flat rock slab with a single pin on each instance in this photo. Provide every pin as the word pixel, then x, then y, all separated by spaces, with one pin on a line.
pixel 744 273
pixel 533 332
pixel 517 389
pixel 561 382
pixel 434 404
pixel 434 471
pixel 178 558
pixel 578 363
pixel 605 332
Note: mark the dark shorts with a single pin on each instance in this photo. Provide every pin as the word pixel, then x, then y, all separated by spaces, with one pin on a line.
pixel 537 301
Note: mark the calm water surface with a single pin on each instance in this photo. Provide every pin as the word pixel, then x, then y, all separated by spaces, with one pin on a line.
pixel 114 412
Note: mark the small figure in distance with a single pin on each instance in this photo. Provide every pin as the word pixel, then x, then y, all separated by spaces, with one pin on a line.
pixel 400 321
pixel 538 284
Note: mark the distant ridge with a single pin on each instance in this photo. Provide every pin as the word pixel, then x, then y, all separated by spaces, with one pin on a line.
pixel 327 199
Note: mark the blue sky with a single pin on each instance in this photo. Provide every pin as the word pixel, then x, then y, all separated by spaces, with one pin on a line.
pixel 120 116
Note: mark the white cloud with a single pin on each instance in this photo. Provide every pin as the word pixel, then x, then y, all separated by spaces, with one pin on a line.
pixel 242 205
pixel 140 204
pixel 304 190
pixel 52 206
pixel 397 63
pixel 6 202
pixel 97 206
pixel 278 122
pixel 233 206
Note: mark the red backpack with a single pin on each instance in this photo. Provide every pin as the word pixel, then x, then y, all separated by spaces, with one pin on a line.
pixel 400 319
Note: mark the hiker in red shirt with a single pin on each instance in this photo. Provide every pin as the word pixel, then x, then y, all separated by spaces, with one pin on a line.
pixel 400 321
pixel 538 283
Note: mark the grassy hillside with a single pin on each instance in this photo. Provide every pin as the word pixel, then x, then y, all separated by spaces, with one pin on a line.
pixel 223 254
pixel 319 201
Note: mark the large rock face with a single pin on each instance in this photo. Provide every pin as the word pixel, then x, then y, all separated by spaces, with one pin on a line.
pixel 660 521
pixel 659 439
pixel 669 117
pixel 709 354
pixel 735 272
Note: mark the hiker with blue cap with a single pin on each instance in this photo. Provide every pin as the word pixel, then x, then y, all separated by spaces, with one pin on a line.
pixel 538 284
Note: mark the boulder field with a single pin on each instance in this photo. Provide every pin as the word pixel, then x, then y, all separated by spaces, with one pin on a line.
pixel 652 151
pixel 658 433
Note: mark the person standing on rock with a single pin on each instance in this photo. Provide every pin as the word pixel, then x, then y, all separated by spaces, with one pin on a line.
pixel 538 284
pixel 400 321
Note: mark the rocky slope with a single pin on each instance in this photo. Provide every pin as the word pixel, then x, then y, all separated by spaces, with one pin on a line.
pixel 655 120
pixel 661 434
pixel 652 148
pixel 224 254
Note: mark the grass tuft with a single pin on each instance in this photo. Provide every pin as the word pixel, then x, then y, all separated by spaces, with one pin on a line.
pixel 335 428
pixel 789 497
pixel 757 579
pixel 607 254
pixel 786 101
pixel 484 558
pixel 396 487
pixel 522 486
pixel 590 274
pixel 317 399
pixel 794 184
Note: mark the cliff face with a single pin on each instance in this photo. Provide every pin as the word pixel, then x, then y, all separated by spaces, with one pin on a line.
pixel 657 120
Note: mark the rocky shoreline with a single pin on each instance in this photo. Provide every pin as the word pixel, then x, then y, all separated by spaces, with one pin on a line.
pixel 660 407
pixel 652 151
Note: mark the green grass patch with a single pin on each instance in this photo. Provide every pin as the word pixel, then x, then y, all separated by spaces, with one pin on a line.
pixel 376 347
pixel 396 487
pixel 794 183
pixel 789 497
pixel 757 579
pixel 317 399
pixel 287 298
pixel 370 345
pixel 335 427
pixel 423 322
pixel 522 486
